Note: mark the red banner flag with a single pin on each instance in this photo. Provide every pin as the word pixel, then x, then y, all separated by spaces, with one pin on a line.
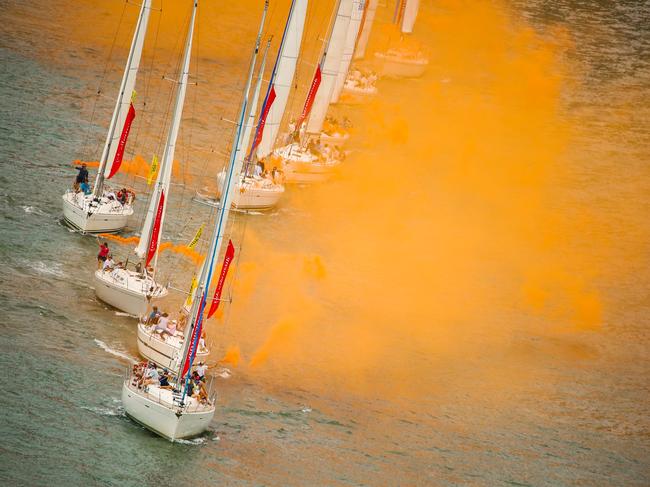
pixel 227 259
pixel 119 153
pixel 262 122
pixel 313 89
pixel 153 243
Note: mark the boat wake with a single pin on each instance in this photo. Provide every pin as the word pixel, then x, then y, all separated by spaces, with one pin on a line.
pixel 106 411
pixel 32 209
pixel 116 353
pixel 41 267
pixel 121 313
pixel 194 441
pixel 223 372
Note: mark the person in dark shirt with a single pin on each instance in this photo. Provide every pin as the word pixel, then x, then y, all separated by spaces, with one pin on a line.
pixel 82 176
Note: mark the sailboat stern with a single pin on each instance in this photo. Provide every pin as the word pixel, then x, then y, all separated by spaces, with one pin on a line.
pixel 86 216
pixel 164 418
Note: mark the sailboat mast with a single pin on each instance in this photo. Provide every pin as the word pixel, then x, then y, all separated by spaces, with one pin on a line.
pixel 151 233
pixel 127 84
pixel 193 330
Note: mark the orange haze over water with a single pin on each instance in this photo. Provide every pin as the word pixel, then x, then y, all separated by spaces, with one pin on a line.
pixel 455 228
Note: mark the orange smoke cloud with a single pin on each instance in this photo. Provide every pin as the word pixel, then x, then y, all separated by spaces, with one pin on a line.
pixel 117 238
pixel 232 356
pixel 78 162
pixel 432 236
pixel 184 250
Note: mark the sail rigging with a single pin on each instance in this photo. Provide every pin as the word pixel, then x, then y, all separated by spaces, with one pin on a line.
pixel 364 34
pixel 195 320
pixel 123 112
pixel 348 47
pixel 155 217
pixel 283 74
pixel 330 66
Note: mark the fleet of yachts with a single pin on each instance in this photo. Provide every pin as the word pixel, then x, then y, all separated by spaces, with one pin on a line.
pixel 170 393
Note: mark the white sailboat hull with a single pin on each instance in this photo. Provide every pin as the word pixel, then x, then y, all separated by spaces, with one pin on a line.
pixel 356 96
pixel 336 140
pixel 300 172
pixel 396 66
pixel 80 213
pixel 164 419
pixel 251 196
pixel 152 347
pixel 126 292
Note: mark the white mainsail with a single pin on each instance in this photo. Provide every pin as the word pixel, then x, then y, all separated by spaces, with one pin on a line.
pixel 362 42
pixel 193 331
pixel 250 122
pixel 123 98
pixel 330 67
pixel 161 188
pixel 348 47
pixel 285 70
pixel 410 14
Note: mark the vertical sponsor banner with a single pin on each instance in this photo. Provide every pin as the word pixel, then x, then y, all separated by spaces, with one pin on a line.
pixel 227 259
pixel 119 153
pixel 155 232
pixel 262 122
pixel 313 89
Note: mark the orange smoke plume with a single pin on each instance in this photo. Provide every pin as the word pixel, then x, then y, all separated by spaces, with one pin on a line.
pixel 117 238
pixel 232 356
pixel 79 162
pixel 191 254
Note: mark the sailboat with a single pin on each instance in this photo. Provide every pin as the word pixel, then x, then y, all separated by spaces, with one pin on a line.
pixel 313 155
pixel 172 412
pixel 258 191
pixel 360 84
pixel 402 62
pixel 132 290
pixel 100 211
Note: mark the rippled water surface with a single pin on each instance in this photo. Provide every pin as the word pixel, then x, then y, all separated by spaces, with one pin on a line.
pixel 502 396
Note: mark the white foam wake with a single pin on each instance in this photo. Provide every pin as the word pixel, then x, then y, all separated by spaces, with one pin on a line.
pixel 32 209
pixel 41 267
pixel 121 313
pixel 195 441
pixel 117 353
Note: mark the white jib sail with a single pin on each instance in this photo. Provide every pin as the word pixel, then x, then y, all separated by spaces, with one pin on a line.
pixel 124 96
pixel 410 14
pixel 348 48
pixel 165 171
pixel 365 30
pixel 330 69
pixel 290 49
pixel 250 121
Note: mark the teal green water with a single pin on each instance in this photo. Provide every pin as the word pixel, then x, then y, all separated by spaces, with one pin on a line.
pixel 63 353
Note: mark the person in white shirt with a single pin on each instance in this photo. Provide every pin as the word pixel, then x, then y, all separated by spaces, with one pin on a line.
pixel 163 321
pixel 201 369
pixel 109 263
